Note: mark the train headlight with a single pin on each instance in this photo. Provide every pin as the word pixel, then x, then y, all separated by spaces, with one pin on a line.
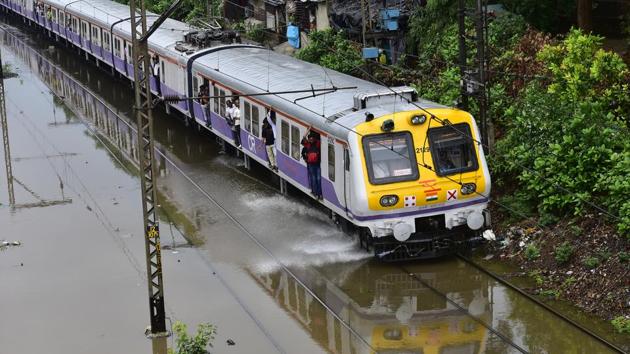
pixel 419 119
pixel 468 188
pixel 389 200
pixel 388 125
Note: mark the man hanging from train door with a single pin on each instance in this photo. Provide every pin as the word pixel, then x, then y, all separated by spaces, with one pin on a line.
pixel 156 74
pixel 312 155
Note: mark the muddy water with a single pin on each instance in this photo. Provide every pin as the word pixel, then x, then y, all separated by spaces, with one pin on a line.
pixel 281 243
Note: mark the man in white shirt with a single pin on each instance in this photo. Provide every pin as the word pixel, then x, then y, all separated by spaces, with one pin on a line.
pixel 233 114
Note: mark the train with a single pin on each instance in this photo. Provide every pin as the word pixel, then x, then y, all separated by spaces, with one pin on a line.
pixel 407 174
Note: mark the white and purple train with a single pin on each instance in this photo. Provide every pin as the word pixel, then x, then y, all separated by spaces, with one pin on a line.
pixel 411 185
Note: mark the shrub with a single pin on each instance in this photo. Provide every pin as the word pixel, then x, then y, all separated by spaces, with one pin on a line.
pixel 550 293
pixel 563 252
pixel 563 128
pixel 532 252
pixel 331 49
pixel 591 262
pixel 196 344
pixel 621 324
pixel 623 257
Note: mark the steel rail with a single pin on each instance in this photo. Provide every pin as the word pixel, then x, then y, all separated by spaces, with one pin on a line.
pixel 464 310
pixel 539 303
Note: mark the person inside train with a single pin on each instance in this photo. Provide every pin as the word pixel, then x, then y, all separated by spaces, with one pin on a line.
pixel 311 153
pixel 269 139
pixel 156 74
pixel 204 101
pixel 233 114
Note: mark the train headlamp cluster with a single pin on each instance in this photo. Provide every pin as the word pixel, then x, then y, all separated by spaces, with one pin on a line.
pixel 468 188
pixel 419 119
pixel 388 125
pixel 389 200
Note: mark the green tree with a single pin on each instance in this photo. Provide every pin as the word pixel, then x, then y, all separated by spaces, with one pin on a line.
pixel 572 132
pixel 331 49
pixel 196 344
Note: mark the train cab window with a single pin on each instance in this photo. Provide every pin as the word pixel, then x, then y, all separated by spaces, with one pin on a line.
pixel 295 143
pixel 331 161
pixel 452 149
pixel 284 133
pixel 390 158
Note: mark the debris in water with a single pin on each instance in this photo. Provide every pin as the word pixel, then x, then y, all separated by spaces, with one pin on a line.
pixel 488 257
pixel 230 342
pixel 88 208
pixel 489 235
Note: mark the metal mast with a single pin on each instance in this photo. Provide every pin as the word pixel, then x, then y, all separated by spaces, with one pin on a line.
pixel 5 137
pixel 142 107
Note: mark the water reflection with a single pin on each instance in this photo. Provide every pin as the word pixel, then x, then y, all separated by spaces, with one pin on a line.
pixel 381 308
pixel 391 311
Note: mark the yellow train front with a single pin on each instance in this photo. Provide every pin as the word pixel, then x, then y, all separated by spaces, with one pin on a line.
pixel 421 183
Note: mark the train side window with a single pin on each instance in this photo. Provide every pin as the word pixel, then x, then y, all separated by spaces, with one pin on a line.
pixel 163 71
pixel 105 40
pixel 95 35
pixel 62 18
pixel 346 159
pixel 295 142
pixel 54 15
pixel 284 127
pixel 247 114
pixel 75 25
pixel 195 86
pixel 331 161
pixel 215 100
pixel 255 121
pixel 117 47
pixel 84 30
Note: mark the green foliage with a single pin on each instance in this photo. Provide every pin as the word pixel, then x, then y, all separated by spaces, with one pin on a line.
pixel 532 251
pixel 563 252
pixel 256 33
pixel 621 324
pixel 571 132
pixel 553 293
pixel 331 49
pixel 568 282
pixel 623 257
pixel 187 10
pixel 538 278
pixel 591 262
pixel 196 344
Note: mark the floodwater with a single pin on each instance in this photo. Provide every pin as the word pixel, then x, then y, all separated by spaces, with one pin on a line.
pixel 304 285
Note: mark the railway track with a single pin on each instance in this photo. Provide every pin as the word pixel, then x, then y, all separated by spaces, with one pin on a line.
pixel 404 269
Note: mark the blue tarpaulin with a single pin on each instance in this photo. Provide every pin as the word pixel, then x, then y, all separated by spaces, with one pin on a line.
pixel 293 36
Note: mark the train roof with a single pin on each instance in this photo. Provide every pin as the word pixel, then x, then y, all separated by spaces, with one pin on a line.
pixel 108 12
pixel 255 69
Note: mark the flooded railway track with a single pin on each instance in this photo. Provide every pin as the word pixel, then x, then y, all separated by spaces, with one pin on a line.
pixel 347 303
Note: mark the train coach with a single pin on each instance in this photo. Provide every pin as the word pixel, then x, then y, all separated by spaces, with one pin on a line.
pixel 408 174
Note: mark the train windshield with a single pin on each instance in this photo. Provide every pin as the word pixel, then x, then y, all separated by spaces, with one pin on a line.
pixel 452 149
pixel 390 158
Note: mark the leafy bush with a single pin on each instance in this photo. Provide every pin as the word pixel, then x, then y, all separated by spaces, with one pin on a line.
pixel 571 133
pixel 196 344
pixel 591 262
pixel 621 324
pixel 532 252
pixel 331 49
pixel 563 252
pixel 550 293
pixel 623 257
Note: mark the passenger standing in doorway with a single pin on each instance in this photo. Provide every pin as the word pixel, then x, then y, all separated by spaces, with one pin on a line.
pixel 156 74
pixel 234 116
pixel 204 101
pixel 312 155
pixel 270 140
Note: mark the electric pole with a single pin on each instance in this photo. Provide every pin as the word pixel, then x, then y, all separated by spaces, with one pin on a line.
pixel 144 119
pixel 474 80
pixel 5 137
